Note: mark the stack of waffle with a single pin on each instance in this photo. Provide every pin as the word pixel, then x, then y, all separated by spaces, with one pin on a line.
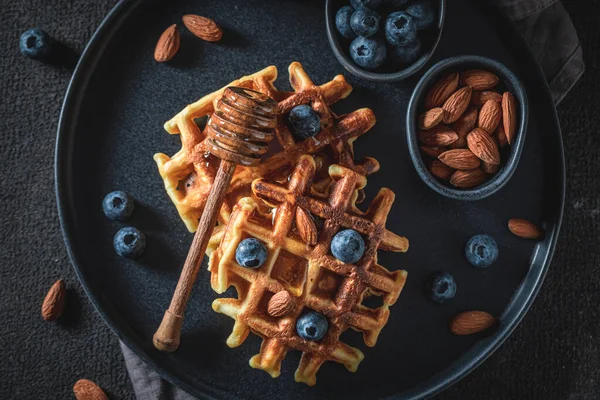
pixel 313 181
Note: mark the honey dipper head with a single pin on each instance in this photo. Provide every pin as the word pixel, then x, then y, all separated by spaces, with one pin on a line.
pixel 242 126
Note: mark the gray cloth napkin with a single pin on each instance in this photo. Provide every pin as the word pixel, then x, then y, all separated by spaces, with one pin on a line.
pixel 549 31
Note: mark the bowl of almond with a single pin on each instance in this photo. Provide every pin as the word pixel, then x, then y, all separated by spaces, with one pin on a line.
pixel 466 124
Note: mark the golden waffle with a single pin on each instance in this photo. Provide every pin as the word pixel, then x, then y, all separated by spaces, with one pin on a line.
pixel 314 278
pixel 189 174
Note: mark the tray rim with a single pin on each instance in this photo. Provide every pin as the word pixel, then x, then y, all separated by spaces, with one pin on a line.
pixel 442 380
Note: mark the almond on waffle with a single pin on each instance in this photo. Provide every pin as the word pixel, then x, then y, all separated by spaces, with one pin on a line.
pixel 189 174
pixel 314 279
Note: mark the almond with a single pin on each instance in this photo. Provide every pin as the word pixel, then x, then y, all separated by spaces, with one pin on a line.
pixel 433 151
pixel 469 322
pixel 440 170
pixel 463 126
pixel 478 79
pixel 204 28
pixel 167 45
pixel 509 116
pixel 483 146
pixel 456 104
pixel 306 226
pixel 431 118
pixel 87 390
pixel 479 98
pixel 468 179
pixel 501 136
pixel 524 229
pixel 54 303
pixel 489 116
pixel 461 159
pixel 488 168
pixel 281 304
pixel 438 136
pixel 439 93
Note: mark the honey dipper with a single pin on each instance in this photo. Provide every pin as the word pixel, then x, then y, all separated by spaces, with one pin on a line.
pixel 239 132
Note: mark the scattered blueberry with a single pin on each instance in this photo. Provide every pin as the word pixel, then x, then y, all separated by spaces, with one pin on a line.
pixel 407 54
pixel 400 29
pixel 342 22
pixel 129 242
pixel 348 246
pixel 36 44
pixel 368 53
pixel 251 253
pixel 423 13
pixel 304 121
pixel 365 22
pixel 481 251
pixel 312 326
pixel 372 4
pixel 118 205
pixel 442 287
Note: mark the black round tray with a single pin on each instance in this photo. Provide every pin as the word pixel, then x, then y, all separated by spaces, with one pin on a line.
pixel 111 125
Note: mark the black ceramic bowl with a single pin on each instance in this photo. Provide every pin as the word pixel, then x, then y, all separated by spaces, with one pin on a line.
pixel 508 82
pixel 389 71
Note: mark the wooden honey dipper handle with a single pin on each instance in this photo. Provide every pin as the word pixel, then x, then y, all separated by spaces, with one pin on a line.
pixel 238 133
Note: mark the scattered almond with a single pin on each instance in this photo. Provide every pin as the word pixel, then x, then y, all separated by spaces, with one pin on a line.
pixel 478 79
pixel 54 303
pixel 431 118
pixel 468 179
pixel 489 116
pixel 479 98
pixel 87 390
pixel 469 322
pixel 202 27
pixel 281 304
pixel 438 136
pixel 167 45
pixel 524 229
pixel 433 151
pixel 488 168
pixel 501 136
pixel 461 159
pixel 306 226
pixel 456 104
pixel 483 146
pixel 509 116
pixel 439 93
pixel 440 170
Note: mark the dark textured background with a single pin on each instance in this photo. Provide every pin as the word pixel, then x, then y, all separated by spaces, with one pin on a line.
pixel 553 354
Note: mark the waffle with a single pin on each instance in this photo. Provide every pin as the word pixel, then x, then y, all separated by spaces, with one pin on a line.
pixel 314 278
pixel 189 174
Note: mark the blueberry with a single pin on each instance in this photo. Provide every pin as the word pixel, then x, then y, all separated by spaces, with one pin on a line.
pixel 481 251
pixel 407 54
pixel 442 287
pixel 396 3
pixel 348 246
pixel 304 121
pixel 372 4
pixel 342 22
pixel 118 205
pixel 36 44
pixel 129 242
pixel 400 28
pixel 365 22
pixel 312 326
pixel 423 13
pixel 251 253
pixel 368 53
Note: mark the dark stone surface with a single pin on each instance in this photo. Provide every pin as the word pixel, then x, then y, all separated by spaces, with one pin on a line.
pixel 553 354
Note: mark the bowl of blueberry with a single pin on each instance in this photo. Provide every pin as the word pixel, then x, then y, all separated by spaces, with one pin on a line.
pixel 384 40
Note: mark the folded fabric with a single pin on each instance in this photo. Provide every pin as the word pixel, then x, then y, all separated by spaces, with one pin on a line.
pixel 547 28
